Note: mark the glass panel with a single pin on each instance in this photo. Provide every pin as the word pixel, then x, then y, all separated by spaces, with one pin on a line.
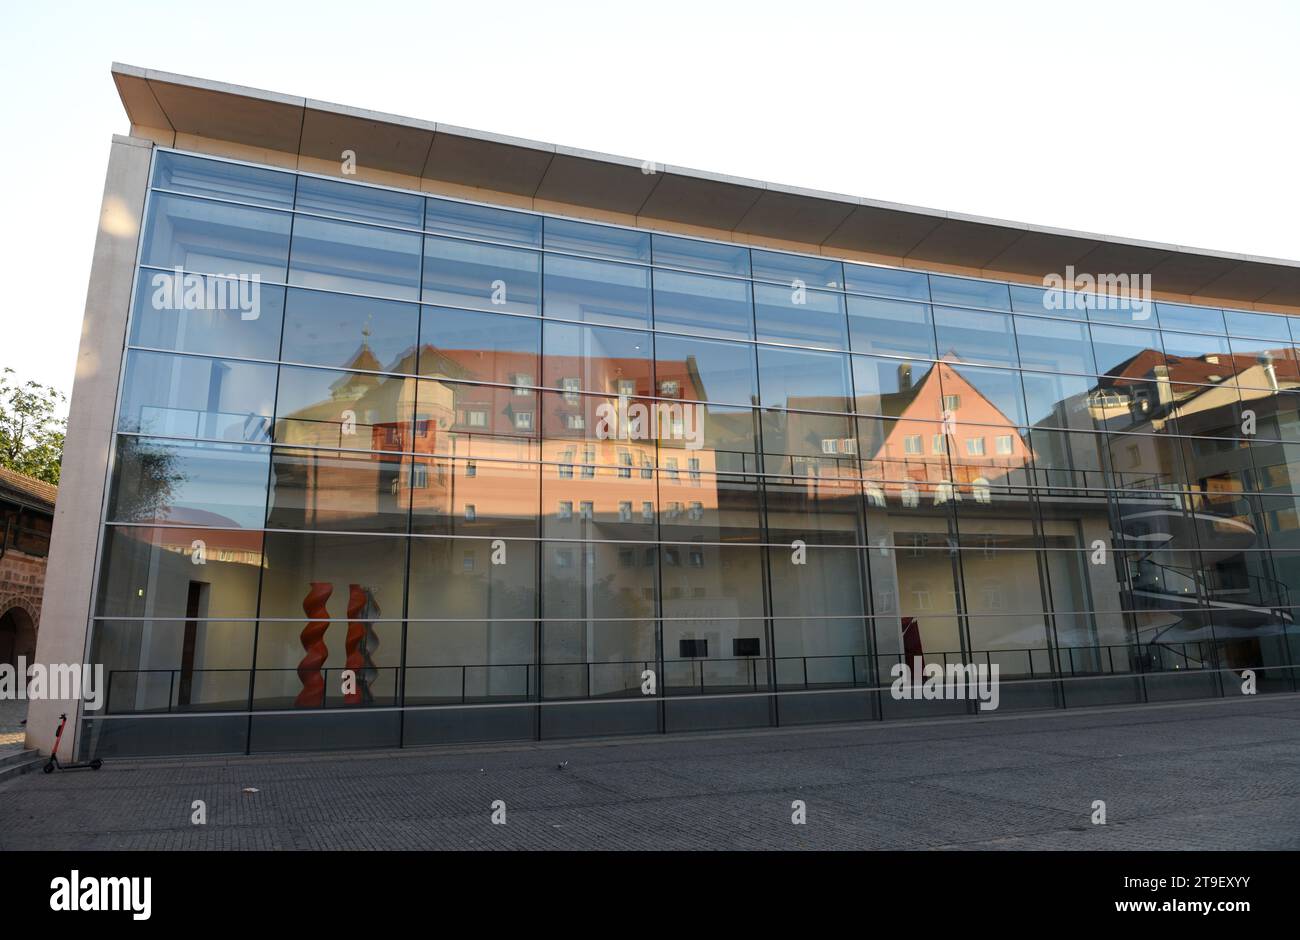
pixel 359 258
pixel 890 282
pixel 796 270
pixel 223 180
pixel 478 410
pixel 1195 319
pixel 189 396
pixel 359 203
pixel 973 395
pixel 188 483
pixel 482 277
pixel 482 488
pixel 480 347
pixel 597 359
pixel 1259 325
pixel 483 222
pixel 704 306
pixel 1054 346
pixel 793 378
pixel 698 506
pixel 801 443
pixel 1207 349
pixel 895 387
pixel 970 293
pixel 350 410
pixel 179 572
pixel 459 579
pixel 1128 352
pixel 1046 303
pixel 818 510
pixel 581 581
pixel 597 291
pixel 705 370
pixel 891 327
pixel 1140 461
pixel 606 503
pixel 583 238
pixel 1069 401
pixel 971 336
pixel 217 316
pixel 802 317
pixel 216 238
pixel 709 257
pixel 340 575
pixel 349 332
pixel 338 490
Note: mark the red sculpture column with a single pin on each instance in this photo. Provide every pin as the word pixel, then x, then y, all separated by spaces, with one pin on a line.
pixel 313 641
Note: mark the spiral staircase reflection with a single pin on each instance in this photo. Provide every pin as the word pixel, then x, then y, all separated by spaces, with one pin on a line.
pixel 1192 615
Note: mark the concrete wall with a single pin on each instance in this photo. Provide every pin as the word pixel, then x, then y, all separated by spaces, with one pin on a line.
pixel 73 545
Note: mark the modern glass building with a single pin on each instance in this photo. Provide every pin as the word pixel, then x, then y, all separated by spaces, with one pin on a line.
pixel 391 465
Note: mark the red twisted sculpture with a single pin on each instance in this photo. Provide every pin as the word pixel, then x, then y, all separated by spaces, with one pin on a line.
pixel 361 644
pixel 313 641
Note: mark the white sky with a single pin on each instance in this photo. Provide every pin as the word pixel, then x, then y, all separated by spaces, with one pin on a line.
pixel 1169 121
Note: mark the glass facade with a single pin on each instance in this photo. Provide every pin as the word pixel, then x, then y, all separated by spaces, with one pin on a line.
pixel 431 472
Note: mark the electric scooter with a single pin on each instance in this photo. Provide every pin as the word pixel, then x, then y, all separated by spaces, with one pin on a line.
pixel 54 762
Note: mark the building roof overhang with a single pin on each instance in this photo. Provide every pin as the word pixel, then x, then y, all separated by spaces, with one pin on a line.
pixel 747 210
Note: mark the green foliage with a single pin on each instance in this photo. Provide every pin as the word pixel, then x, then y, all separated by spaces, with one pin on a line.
pixel 31 429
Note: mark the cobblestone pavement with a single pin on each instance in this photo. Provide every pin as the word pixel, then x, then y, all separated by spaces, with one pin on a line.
pixel 1212 775
pixel 12 732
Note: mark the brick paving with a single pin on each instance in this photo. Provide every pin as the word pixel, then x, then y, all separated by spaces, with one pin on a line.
pixel 1221 774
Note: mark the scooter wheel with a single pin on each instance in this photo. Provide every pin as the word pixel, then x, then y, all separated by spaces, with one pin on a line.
pixel 96 764
pixel 49 767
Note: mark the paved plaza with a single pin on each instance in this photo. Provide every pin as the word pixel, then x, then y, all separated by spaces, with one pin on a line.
pixel 1222 774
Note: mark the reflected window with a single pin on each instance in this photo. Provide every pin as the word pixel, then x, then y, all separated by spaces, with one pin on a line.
pixel 705 370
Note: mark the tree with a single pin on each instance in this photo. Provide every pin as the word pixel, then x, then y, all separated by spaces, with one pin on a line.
pixel 31 428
